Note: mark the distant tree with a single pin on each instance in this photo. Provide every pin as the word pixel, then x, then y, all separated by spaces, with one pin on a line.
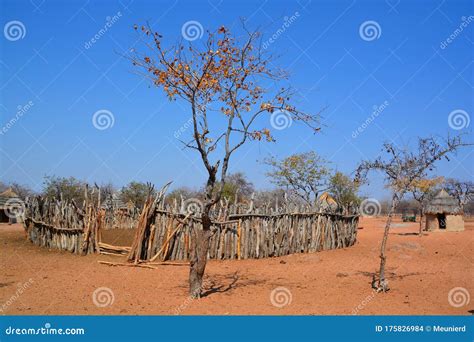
pixel 23 191
pixel 3 186
pixel 462 191
pixel 237 186
pixel 422 190
pixel 136 193
pixel 344 190
pixel 64 188
pixel 270 198
pixel 402 169
pixel 225 80
pixel 304 173
pixel 183 193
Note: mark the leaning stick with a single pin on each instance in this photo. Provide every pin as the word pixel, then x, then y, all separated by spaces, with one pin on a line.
pixel 125 264
pixel 169 238
pixel 166 263
pixel 113 254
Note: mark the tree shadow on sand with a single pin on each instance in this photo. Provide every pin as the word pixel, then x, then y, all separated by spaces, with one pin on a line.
pixel 225 283
pixel 406 234
pixel 390 275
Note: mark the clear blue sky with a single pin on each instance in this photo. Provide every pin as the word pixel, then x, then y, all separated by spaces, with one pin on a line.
pixel 408 65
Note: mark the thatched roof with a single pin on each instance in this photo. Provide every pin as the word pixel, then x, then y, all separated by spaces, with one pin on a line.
pixel 443 203
pixel 114 202
pixel 326 201
pixel 9 193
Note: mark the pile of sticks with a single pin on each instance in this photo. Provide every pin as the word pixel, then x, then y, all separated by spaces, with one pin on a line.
pixel 143 241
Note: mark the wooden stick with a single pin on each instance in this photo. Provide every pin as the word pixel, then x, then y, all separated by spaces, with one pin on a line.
pixel 113 254
pixel 238 239
pixel 125 264
pixel 169 238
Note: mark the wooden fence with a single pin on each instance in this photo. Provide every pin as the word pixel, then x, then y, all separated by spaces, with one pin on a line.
pixel 246 236
pixel 168 232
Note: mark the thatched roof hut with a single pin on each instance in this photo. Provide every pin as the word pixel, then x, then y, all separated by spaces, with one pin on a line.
pixel 443 203
pixel 443 212
pixel 114 202
pixel 8 198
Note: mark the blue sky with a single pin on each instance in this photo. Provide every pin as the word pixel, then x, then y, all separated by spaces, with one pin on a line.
pixel 408 66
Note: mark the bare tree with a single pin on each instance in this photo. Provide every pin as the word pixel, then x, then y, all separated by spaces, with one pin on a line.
pixel 463 191
pixel 222 80
pixel 402 168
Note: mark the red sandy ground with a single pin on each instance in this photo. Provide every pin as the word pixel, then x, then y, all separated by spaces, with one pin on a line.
pixel 422 271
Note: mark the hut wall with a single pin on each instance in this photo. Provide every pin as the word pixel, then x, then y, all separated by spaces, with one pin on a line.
pixel 431 222
pixel 454 223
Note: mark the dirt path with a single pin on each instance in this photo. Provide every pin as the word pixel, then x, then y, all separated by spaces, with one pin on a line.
pixel 422 271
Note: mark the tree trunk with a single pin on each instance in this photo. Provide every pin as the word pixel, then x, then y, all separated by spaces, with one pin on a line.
pixel 421 222
pixel 382 283
pixel 199 256
pixel 201 242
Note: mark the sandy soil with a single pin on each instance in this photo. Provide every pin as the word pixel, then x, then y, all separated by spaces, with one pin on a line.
pixel 422 271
